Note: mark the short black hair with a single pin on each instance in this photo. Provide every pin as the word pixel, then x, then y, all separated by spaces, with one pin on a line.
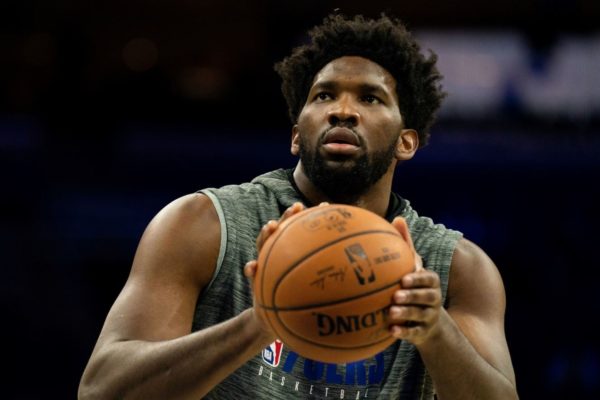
pixel 385 41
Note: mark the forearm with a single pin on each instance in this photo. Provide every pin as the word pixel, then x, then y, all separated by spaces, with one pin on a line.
pixel 458 370
pixel 184 368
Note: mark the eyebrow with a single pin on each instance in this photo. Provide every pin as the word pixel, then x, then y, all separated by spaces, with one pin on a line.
pixel 362 88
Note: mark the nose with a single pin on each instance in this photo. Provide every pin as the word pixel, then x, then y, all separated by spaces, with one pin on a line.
pixel 343 112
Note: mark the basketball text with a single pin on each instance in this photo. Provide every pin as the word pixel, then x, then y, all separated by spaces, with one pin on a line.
pixel 340 324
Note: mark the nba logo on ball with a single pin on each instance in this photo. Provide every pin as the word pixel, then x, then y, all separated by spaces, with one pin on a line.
pixel 272 354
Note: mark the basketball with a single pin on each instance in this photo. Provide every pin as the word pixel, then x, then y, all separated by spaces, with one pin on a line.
pixel 325 280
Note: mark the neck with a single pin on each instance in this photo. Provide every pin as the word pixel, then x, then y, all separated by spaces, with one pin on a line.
pixel 376 199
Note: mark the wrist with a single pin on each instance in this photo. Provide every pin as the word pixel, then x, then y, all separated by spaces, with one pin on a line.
pixel 264 335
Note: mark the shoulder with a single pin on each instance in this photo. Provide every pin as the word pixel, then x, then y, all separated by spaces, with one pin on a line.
pixel 424 229
pixel 475 282
pixel 184 216
pixel 191 205
pixel 184 235
pixel 259 187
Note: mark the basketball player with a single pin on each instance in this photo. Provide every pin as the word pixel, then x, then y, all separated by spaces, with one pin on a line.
pixel 362 99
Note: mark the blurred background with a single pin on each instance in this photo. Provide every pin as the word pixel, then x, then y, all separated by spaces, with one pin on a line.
pixel 111 109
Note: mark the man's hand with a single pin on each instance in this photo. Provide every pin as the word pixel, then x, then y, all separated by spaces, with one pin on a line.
pixel 415 308
pixel 251 266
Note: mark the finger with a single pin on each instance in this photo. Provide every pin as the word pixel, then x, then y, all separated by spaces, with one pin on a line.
pixel 250 269
pixel 409 333
pixel 418 297
pixel 323 203
pixel 270 227
pixel 409 315
pixel 265 232
pixel 420 279
pixel 291 210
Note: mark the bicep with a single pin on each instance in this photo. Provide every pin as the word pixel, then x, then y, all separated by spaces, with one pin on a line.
pixel 477 304
pixel 175 259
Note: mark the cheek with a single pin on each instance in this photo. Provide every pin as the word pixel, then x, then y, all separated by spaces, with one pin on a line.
pixel 394 121
pixel 308 126
pixel 306 119
pixel 388 130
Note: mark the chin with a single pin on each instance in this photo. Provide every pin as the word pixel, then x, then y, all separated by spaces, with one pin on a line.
pixel 340 162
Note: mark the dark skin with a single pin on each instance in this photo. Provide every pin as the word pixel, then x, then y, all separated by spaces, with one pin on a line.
pixel 146 349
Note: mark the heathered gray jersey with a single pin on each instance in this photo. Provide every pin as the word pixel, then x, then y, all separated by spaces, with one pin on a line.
pixel 278 372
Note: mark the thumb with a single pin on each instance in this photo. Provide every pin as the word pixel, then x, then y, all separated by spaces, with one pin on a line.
pixel 400 224
pixel 250 269
pixel 418 262
pixel 402 227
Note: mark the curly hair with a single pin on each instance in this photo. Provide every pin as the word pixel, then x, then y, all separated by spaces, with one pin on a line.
pixel 385 41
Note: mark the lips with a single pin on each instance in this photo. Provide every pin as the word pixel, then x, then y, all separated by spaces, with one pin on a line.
pixel 341 142
pixel 341 136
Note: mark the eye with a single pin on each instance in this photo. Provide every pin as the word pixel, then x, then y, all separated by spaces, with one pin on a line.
pixel 323 96
pixel 371 99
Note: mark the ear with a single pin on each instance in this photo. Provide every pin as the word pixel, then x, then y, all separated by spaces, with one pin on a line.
pixel 295 149
pixel 407 144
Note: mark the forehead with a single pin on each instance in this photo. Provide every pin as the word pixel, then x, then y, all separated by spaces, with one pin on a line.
pixel 355 69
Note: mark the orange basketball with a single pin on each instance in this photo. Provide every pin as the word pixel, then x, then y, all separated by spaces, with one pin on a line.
pixel 325 281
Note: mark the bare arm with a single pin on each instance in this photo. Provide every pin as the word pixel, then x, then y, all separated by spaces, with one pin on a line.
pixel 145 349
pixel 464 347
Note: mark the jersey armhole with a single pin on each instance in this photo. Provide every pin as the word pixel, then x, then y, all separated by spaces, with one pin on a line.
pixel 223 244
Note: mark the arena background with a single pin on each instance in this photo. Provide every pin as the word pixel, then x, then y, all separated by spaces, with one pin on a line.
pixel 111 109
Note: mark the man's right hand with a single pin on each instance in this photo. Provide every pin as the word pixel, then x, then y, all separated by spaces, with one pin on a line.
pixel 251 266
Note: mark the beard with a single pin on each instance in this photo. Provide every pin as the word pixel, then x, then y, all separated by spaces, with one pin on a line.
pixel 352 178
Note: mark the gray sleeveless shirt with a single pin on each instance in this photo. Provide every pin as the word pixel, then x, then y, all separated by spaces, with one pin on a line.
pixel 278 372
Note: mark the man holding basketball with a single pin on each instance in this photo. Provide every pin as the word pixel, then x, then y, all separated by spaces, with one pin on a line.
pixel 362 99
